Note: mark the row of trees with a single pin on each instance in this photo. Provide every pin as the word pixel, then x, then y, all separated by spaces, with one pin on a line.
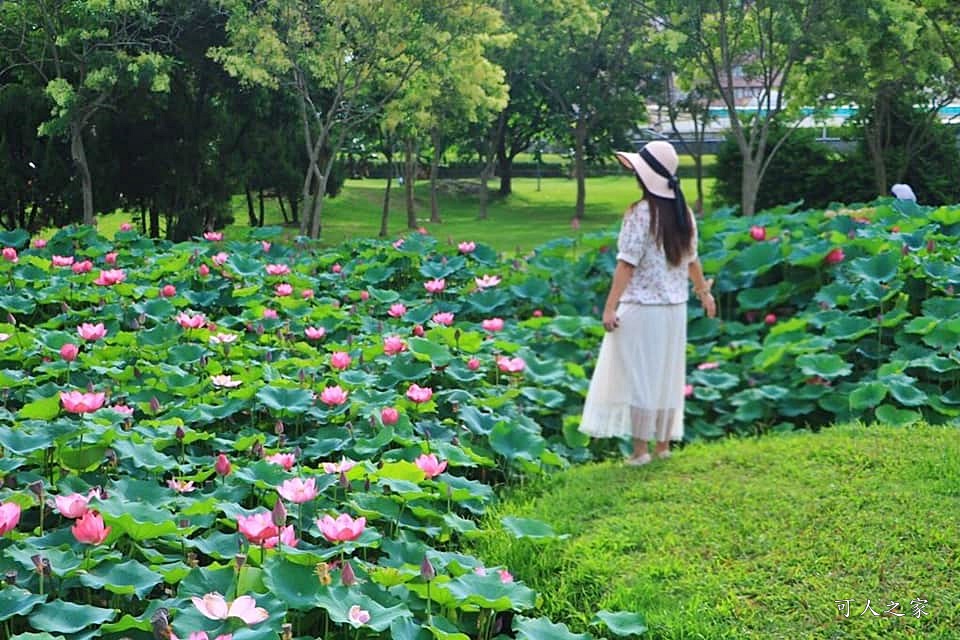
pixel 169 107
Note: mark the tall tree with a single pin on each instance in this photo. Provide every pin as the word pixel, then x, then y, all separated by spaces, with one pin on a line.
pixel 751 53
pixel 84 53
pixel 326 53
pixel 589 73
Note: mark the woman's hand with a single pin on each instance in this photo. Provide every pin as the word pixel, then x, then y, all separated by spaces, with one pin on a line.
pixel 709 304
pixel 610 321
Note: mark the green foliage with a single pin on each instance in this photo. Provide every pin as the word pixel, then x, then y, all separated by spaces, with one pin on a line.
pixel 751 538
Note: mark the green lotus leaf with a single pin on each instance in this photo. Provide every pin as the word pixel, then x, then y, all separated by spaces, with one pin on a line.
pixel 882 267
pixel 407 629
pixel 762 297
pixel 946 335
pixel 530 528
pixel 824 365
pixel 20 442
pixel 543 629
pixel 490 592
pixel 58 616
pixel 867 395
pixel 378 274
pixel 535 289
pixel 546 397
pixel 143 455
pixel 907 394
pixel 442 629
pixel 285 400
pixel 17 304
pixel 513 441
pixel 489 301
pixel 42 409
pixel 442 268
pixel 125 578
pixel 621 623
pixel 16 601
pixel 336 601
pixel 296 585
pixel 16 238
pixel 428 351
pixel 849 328
pixel 897 417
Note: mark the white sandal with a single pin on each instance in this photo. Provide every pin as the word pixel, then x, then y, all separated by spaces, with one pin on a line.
pixel 639 461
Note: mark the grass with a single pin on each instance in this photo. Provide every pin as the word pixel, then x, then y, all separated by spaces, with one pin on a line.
pixel 753 538
pixel 518 223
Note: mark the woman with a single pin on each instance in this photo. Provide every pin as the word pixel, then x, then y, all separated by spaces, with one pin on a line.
pixel 637 387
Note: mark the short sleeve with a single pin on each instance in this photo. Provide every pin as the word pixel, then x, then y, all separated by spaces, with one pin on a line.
pixel 630 240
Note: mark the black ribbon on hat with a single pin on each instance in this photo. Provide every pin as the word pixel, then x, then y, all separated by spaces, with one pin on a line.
pixel 673 181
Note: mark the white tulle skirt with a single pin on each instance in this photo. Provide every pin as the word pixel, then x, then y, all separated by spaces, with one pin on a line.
pixel 637 387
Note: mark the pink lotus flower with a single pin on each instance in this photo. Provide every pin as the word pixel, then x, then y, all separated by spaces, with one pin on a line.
pixel 340 360
pixel 168 291
pixel 38 243
pixel 188 321
pixel 343 529
pixel 258 528
pixel 430 466
pixel 358 616
pixel 110 277
pixel 76 402
pixel 287 537
pixel 343 466
pixel 364 295
pixel 270 314
pixel 203 270
pixel 223 466
pixel 758 233
pixel 298 491
pixel 69 352
pixel 84 266
pixel 10 255
pixel 445 318
pixel 4 337
pixel 285 460
pixel 126 226
pixel 220 258
pixel 213 236
pixel 62 261
pixel 215 606
pixel 511 365
pixel 537 313
pixel 283 290
pixel 265 246
pixel 687 390
pixel 89 331
pixel 492 324
pixel 771 318
pixel 225 381
pixel 223 338
pixel 336 268
pixel 575 224
pixel 473 364
pixel 422 231
pixel 315 333
pixel 389 416
pixel 435 286
pixel 706 366
pixel 505 576
pixel 123 409
pixel 398 243
pixel 397 310
pixel 9 516
pixel 180 486
pixel 306 294
pixel 419 394
pixel 487 281
pixel 418 330
pixel 72 506
pixel 333 396
pixel 277 269
pixel 89 528
pixel 467 247
pixel 111 258
pixel 394 345
pixel 835 256
pixel 202 635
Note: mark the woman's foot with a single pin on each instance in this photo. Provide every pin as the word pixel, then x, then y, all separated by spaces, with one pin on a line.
pixel 662 450
pixel 640 460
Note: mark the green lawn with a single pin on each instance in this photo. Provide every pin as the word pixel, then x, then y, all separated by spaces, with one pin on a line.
pixel 754 538
pixel 518 223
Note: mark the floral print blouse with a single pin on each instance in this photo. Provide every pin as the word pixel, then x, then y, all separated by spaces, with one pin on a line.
pixel 654 280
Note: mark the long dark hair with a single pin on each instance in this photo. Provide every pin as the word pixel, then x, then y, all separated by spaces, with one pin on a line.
pixel 675 241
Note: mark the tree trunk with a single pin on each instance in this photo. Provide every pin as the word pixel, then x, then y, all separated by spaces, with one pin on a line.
pixel 750 185
pixel 251 215
pixel 409 177
pixel 154 222
pixel 262 208
pixel 437 140
pixel 484 192
pixel 385 215
pixel 580 166
pixel 80 159
pixel 283 209
pixel 698 171
pixel 504 166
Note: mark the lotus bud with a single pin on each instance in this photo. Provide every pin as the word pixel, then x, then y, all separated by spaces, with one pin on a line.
pixel 426 569
pixel 931 245
pixel 134 325
pixel 11 319
pixel 455 441
pixel 905 250
pixel 281 440
pixel 257 450
pixel 240 559
pixel 64 307
pixel 278 428
pixel 298 452
pixel 344 483
pixel 279 514
pixel 136 372
pixel 366 485
pixel 203 361
pixel 347 576
pixel 154 404
pixel 184 523
pixel 10 577
pixel 37 488
pixel 268 356
pixel 180 434
pixel 302 375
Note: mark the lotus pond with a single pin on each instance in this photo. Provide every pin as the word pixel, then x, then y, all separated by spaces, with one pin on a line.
pixel 264 440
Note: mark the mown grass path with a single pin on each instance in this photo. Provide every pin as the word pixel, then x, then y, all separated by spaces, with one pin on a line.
pixel 755 538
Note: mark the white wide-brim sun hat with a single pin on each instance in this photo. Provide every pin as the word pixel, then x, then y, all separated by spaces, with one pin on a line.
pixel 665 154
